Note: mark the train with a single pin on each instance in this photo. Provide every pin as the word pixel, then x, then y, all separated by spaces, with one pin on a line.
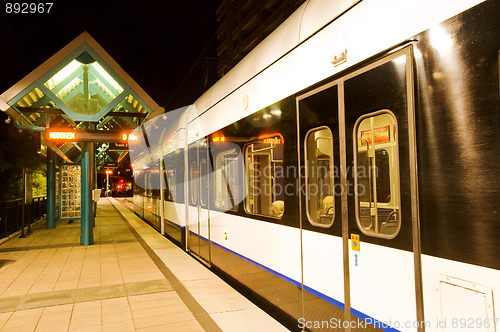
pixel 345 173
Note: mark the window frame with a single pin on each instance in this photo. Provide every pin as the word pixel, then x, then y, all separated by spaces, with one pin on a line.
pixel 220 177
pixel 397 177
pixel 247 174
pixel 311 131
pixel 194 184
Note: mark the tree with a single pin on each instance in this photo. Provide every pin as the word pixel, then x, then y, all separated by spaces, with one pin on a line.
pixel 18 149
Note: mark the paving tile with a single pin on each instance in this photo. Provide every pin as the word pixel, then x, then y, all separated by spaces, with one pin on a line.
pixel 160 285
pixel 159 320
pixel 152 297
pixel 186 326
pixel 58 308
pixel 4 317
pixel 93 328
pixel 47 299
pixel 123 326
pixel 116 317
pixel 93 293
pixel 20 324
pixel 59 326
pixel 86 312
pixel 29 314
pixel 9 303
pixel 55 317
pixel 85 322
pixel 85 305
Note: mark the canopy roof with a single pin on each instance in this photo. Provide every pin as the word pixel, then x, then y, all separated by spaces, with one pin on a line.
pixel 80 86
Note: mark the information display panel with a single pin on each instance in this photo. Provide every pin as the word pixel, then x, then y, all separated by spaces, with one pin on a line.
pixel 71 200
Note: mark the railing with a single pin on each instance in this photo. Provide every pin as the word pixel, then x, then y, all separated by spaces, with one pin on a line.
pixel 11 214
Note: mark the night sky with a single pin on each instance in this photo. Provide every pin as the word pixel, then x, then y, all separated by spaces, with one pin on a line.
pixel 156 42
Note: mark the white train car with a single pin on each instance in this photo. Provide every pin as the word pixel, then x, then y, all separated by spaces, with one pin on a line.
pixel 345 173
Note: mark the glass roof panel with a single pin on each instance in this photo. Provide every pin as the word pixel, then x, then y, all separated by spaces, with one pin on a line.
pixel 32 98
pixel 62 74
pixel 84 85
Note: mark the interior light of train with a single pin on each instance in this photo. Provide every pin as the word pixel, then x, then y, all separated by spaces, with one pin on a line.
pixel 62 135
pixel 267 116
pixel 276 112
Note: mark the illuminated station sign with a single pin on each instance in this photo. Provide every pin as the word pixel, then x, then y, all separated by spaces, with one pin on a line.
pixel 81 135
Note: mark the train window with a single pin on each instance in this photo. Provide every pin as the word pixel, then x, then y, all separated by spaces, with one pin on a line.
pixel 193 183
pixel 320 202
pixel 171 185
pixel 204 182
pixel 377 175
pixel 265 177
pixel 227 180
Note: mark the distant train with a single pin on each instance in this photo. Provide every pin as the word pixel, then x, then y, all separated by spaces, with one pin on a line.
pixel 346 173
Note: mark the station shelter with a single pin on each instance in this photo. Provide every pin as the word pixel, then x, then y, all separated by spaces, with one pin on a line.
pixel 80 102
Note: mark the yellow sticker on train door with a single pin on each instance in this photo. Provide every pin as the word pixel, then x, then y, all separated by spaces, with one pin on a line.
pixel 355 242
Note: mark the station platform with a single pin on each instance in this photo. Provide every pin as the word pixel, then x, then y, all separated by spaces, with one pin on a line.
pixel 130 279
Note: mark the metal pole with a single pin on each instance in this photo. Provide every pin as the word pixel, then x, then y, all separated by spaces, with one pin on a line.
pixel 91 181
pixel 23 205
pixel 87 235
pixel 51 189
pixel 162 198
pixel 107 183
pixel 29 177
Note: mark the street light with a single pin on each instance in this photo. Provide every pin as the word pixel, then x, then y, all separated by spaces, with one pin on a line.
pixel 108 172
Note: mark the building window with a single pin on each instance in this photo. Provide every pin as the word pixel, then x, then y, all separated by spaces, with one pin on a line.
pixel 320 200
pixel 377 175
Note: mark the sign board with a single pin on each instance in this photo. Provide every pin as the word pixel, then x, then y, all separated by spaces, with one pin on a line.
pixel 110 164
pixel 118 146
pixel 27 185
pixel 82 135
pixel 380 135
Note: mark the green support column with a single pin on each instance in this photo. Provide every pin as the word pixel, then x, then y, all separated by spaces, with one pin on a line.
pixel 87 231
pixel 51 189
pixel 92 180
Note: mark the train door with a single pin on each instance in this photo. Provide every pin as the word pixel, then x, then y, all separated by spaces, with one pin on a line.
pixel 381 192
pixel 321 225
pixel 199 215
